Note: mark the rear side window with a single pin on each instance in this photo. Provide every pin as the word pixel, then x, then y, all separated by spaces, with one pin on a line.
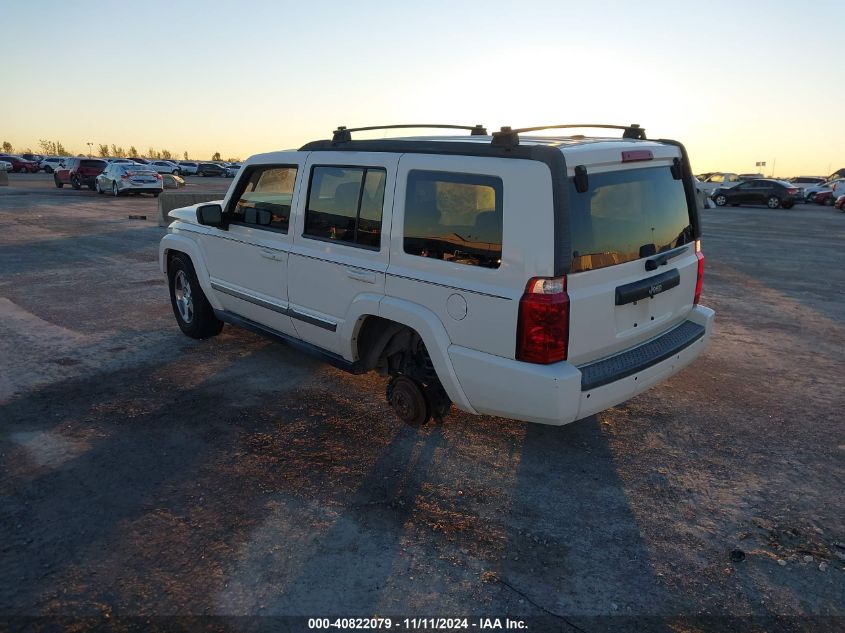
pixel 454 217
pixel 626 215
pixel 264 196
pixel 93 163
pixel 345 205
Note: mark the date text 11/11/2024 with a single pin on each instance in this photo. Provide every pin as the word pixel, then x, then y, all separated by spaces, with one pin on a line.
pixel 417 624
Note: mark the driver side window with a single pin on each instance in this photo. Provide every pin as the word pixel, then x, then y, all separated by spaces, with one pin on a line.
pixel 264 196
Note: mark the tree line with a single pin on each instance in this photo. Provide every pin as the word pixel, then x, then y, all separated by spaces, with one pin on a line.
pixel 55 148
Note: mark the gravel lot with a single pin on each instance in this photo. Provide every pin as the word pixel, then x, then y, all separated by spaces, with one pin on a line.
pixel 147 475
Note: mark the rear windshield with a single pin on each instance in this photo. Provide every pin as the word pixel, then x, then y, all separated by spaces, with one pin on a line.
pixel 626 215
pixel 92 163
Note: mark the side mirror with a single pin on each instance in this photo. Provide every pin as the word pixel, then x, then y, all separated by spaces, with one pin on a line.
pixel 261 217
pixel 210 215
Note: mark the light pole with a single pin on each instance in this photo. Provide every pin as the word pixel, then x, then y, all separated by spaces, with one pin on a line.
pixel 90 145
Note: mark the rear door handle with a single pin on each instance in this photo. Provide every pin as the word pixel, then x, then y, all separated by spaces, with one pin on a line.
pixel 361 275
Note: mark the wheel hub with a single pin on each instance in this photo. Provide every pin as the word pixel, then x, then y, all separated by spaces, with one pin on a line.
pixel 182 293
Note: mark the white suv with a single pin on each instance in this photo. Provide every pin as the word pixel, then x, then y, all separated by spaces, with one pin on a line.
pixel 536 278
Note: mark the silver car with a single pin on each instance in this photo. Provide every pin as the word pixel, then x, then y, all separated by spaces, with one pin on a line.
pixel 120 178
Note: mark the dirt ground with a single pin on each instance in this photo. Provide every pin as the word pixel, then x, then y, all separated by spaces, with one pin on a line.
pixel 146 475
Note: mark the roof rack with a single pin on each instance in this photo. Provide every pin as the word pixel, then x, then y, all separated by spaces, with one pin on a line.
pixel 506 137
pixel 343 134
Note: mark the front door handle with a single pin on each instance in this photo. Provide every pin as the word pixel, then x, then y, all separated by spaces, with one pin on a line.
pixel 361 275
pixel 268 254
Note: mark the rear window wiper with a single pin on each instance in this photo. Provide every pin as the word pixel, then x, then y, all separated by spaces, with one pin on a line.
pixel 661 260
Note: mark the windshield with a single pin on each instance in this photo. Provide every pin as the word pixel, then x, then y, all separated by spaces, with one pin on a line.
pixel 626 215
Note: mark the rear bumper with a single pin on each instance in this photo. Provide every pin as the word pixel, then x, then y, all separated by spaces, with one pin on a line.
pixel 562 393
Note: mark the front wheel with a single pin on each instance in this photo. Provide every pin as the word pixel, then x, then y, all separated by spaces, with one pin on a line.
pixel 59 183
pixel 74 182
pixel 48 169
pixel 773 202
pixel 720 200
pixel 194 314
pixel 176 172
pixel 828 202
pixel 99 188
pixel 114 190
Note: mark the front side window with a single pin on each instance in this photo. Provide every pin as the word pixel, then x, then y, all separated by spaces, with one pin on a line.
pixel 345 205
pixel 264 196
pixel 454 217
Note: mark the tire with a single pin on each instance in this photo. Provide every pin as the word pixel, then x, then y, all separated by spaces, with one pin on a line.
pixel 408 401
pixel 99 189
pixel 773 202
pixel 828 202
pixel 190 307
pixel 92 187
pixel 156 194
pixel 114 190
pixel 176 172
pixel 74 182
pixel 720 200
pixel 59 184
pixel 48 170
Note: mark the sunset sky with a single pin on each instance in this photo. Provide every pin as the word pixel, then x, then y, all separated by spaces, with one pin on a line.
pixel 737 82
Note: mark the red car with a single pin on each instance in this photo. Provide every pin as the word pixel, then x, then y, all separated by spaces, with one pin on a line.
pixel 824 197
pixel 79 171
pixel 840 203
pixel 20 164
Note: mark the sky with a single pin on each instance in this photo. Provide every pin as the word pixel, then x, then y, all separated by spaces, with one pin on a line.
pixel 736 82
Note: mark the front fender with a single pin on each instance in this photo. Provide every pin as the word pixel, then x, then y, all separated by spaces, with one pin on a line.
pixel 173 242
pixel 436 340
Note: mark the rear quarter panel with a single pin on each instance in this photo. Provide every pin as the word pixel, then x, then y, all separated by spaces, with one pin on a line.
pixel 489 297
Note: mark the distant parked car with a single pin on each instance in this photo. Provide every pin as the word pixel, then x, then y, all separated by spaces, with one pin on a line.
pixel 77 172
pixel 840 203
pixel 120 161
pixel 821 193
pixel 756 176
pixel 718 180
pixel 171 181
pixel 805 182
pixel 188 167
pixel 5 165
pixel 232 170
pixel 37 158
pixel 140 161
pixel 165 167
pixel 120 178
pixel 211 169
pixel 50 164
pixel 773 193
pixel 20 164
pixel 825 198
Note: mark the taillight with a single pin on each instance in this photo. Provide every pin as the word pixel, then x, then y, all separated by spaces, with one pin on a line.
pixel 542 331
pixel 700 280
pixel 158 176
pixel 124 176
pixel 792 191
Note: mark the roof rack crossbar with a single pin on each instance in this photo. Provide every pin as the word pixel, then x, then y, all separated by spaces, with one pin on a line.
pixel 509 137
pixel 343 134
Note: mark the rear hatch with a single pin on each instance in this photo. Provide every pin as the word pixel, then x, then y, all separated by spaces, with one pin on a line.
pixel 634 266
pixel 91 167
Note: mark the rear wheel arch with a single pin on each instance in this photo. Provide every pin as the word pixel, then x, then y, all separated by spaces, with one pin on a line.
pixel 431 331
